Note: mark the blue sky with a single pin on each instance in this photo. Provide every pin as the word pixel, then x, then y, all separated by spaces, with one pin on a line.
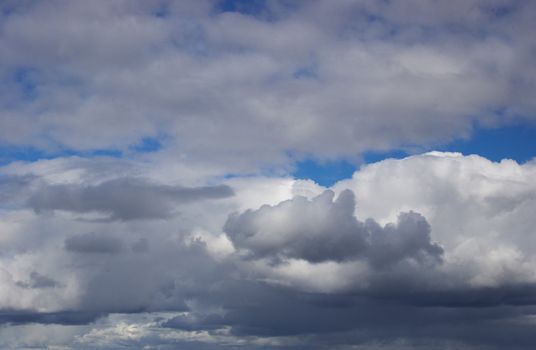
pixel 515 142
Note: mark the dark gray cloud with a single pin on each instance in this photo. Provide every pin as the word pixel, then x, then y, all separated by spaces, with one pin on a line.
pixel 140 246
pixel 322 229
pixel 61 317
pixel 38 280
pixel 213 296
pixel 409 238
pixel 318 320
pixel 93 243
pixel 122 199
pixel 330 320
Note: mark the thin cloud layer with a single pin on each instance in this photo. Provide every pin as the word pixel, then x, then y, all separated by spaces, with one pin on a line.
pixel 122 199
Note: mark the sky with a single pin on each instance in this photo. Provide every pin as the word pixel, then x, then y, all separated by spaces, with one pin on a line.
pixel 206 174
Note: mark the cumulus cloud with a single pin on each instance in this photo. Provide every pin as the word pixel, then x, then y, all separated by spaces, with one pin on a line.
pixel 470 202
pixel 322 230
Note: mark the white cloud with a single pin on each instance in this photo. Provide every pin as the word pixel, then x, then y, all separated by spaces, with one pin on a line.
pixel 478 210
pixel 227 91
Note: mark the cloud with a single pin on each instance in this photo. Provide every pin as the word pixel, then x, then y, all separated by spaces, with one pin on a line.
pixel 93 243
pixel 140 246
pixel 63 317
pixel 11 187
pixel 38 281
pixel 322 230
pixel 430 252
pixel 311 268
pixel 123 198
pixel 470 202
pixel 228 89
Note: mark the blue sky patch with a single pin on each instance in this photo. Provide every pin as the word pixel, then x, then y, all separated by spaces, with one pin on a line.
pixel 247 7
pixel 305 72
pixel 25 79
pixel 324 173
pixel 162 12
pixel 10 154
pixel 517 142
pixel 147 145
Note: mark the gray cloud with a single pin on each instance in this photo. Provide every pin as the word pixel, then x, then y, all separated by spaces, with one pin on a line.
pixel 140 246
pixel 93 243
pixel 12 186
pixel 410 237
pixel 123 199
pixel 62 317
pixel 38 280
pixel 238 91
pixel 331 320
pixel 322 229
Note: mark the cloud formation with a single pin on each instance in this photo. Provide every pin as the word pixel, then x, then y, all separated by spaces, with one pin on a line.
pixel 145 195
pixel 323 230
pixel 239 90
pixel 123 198
pixel 356 264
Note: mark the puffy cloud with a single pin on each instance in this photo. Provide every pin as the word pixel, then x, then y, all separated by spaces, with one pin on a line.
pixel 479 210
pixel 325 230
